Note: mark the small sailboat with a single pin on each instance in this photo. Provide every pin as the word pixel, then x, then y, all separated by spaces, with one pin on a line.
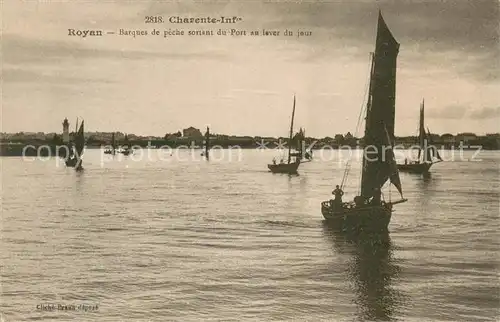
pixel 113 146
pixel 76 152
pixel 291 166
pixel 126 149
pixel 302 152
pixel 430 153
pixel 206 152
pixel 368 211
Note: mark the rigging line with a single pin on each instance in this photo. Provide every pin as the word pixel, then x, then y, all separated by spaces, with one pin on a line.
pixel 356 134
pixel 358 124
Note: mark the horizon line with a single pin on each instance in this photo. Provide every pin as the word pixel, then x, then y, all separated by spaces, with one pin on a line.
pixel 241 135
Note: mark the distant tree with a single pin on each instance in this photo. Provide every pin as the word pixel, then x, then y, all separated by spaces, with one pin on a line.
pixel 489 143
pixel 57 140
pixel 93 140
pixel 339 139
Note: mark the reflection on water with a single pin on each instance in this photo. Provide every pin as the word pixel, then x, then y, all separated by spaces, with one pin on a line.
pixel 371 271
pixel 230 241
pixel 425 185
pixel 427 177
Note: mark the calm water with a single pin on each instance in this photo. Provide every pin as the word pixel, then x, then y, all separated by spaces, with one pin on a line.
pixel 188 240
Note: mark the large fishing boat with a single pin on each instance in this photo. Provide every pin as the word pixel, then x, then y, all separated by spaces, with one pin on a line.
pixel 292 165
pixel 74 158
pixel 369 211
pixel 430 153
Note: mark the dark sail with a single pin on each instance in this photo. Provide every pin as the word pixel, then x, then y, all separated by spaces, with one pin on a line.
pixel 421 133
pixel 297 142
pixel 291 133
pixel 207 143
pixel 432 148
pixel 80 141
pixel 378 160
pixel 427 149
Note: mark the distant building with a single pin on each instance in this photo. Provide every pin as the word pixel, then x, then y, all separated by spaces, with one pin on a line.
pixel 466 137
pixel 65 131
pixel 448 138
pixel 173 136
pixel 191 132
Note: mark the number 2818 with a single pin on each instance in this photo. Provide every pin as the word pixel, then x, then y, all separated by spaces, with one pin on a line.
pixel 153 19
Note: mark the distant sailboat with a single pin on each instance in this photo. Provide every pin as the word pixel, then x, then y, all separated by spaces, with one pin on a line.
pixel 302 152
pixel 126 149
pixel 289 167
pixel 368 211
pixel 113 146
pixel 425 160
pixel 75 157
pixel 206 153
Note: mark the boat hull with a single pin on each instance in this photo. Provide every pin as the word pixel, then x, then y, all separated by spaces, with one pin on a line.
pixel 73 162
pixel 290 168
pixel 415 167
pixel 364 218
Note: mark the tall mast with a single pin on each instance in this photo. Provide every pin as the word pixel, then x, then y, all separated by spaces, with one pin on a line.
pixel 421 132
pixel 291 132
pixel 425 137
pixel 207 143
pixel 76 131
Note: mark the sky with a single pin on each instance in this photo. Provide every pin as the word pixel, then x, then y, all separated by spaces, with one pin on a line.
pixel 244 85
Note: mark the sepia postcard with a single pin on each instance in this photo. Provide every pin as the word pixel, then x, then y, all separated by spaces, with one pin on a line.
pixel 251 160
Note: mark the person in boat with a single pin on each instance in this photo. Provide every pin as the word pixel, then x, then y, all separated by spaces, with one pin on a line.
pixel 360 201
pixel 281 161
pixel 406 161
pixel 274 160
pixel 338 193
pixel 377 197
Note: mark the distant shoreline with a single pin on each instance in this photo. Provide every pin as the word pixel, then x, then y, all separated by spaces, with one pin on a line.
pixel 97 139
pixel 192 138
pixel 42 148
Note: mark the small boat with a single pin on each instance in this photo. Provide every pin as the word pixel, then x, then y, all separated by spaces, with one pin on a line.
pixel 206 152
pixel 368 211
pixel 74 159
pixel 430 154
pixel 113 146
pixel 126 149
pixel 291 166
